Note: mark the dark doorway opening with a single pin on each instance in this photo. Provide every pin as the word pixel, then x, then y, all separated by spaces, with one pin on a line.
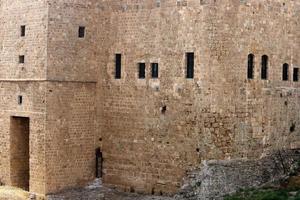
pixel 19 152
pixel 99 163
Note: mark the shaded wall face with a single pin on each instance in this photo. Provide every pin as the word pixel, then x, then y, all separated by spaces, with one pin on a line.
pixel 217 115
pixel 32 15
pixel 72 63
pixel 70 135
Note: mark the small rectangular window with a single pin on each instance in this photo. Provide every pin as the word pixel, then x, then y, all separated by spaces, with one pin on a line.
pixel 285 72
pixel 190 65
pixel 118 66
pixel 250 66
pixel 154 67
pixel 20 100
pixel 296 75
pixel 264 67
pixel 23 29
pixel 81 32
pixel 21 59
pixel 142 70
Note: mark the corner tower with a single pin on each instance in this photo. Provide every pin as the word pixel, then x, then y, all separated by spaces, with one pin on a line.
pixel 48 81
pixel 23 83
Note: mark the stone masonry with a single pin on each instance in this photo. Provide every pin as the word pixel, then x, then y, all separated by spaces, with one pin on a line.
pixel 61 97
pixel 213 179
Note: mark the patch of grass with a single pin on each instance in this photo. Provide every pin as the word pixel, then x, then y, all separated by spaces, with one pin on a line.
pixel 264 194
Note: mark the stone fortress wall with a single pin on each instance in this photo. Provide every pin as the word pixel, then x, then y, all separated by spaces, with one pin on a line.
pixel 153 130
pixel 23 79
pixel 219 114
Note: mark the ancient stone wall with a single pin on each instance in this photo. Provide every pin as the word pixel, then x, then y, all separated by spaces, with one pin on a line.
pixel 70 135
pixel 34 16
pixel 33 107
pixel 219 114
pixel 22 79
pixel 72 64
pixel 215 179
pixel 71 58
pixel 151 131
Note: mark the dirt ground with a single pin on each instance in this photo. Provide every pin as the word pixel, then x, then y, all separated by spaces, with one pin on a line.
pixel 96 191
pixel 102 194
pixel 10 193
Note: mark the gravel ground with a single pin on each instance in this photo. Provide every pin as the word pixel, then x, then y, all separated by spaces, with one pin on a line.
pixel 97 192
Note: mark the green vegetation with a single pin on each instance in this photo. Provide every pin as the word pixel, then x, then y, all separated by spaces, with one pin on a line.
pixel 265 194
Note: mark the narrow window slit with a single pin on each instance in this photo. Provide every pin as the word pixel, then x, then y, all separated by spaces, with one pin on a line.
pixel 264 67
pixel 163 109
pixel 293 127
pixel 21 59
pixel 118 66
pixel 23 30
pixel 142 70
pixel 285 72
pixel 154 67
pixel 81 32
pixel 296 75
pixel 20 100
pixel 190 62
pixel 250 66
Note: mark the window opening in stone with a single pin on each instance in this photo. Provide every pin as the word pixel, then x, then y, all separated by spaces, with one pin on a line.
pixel 23 29
pixel 264 67
pixel 250 66
pixel 142 70
pixel 154 67
pixel 293 127
pixel 190 65
pixel 296 75
pixel 21 59
pixel 118 66
pixel 285 72
pixel 81 32
pixel 163 109
pixel 20 100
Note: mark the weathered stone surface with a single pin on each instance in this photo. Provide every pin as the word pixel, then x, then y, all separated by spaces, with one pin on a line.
pixel 215 179
pixel 76 105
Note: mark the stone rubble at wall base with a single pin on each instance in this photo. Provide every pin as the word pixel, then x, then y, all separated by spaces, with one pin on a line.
pixel 214 179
